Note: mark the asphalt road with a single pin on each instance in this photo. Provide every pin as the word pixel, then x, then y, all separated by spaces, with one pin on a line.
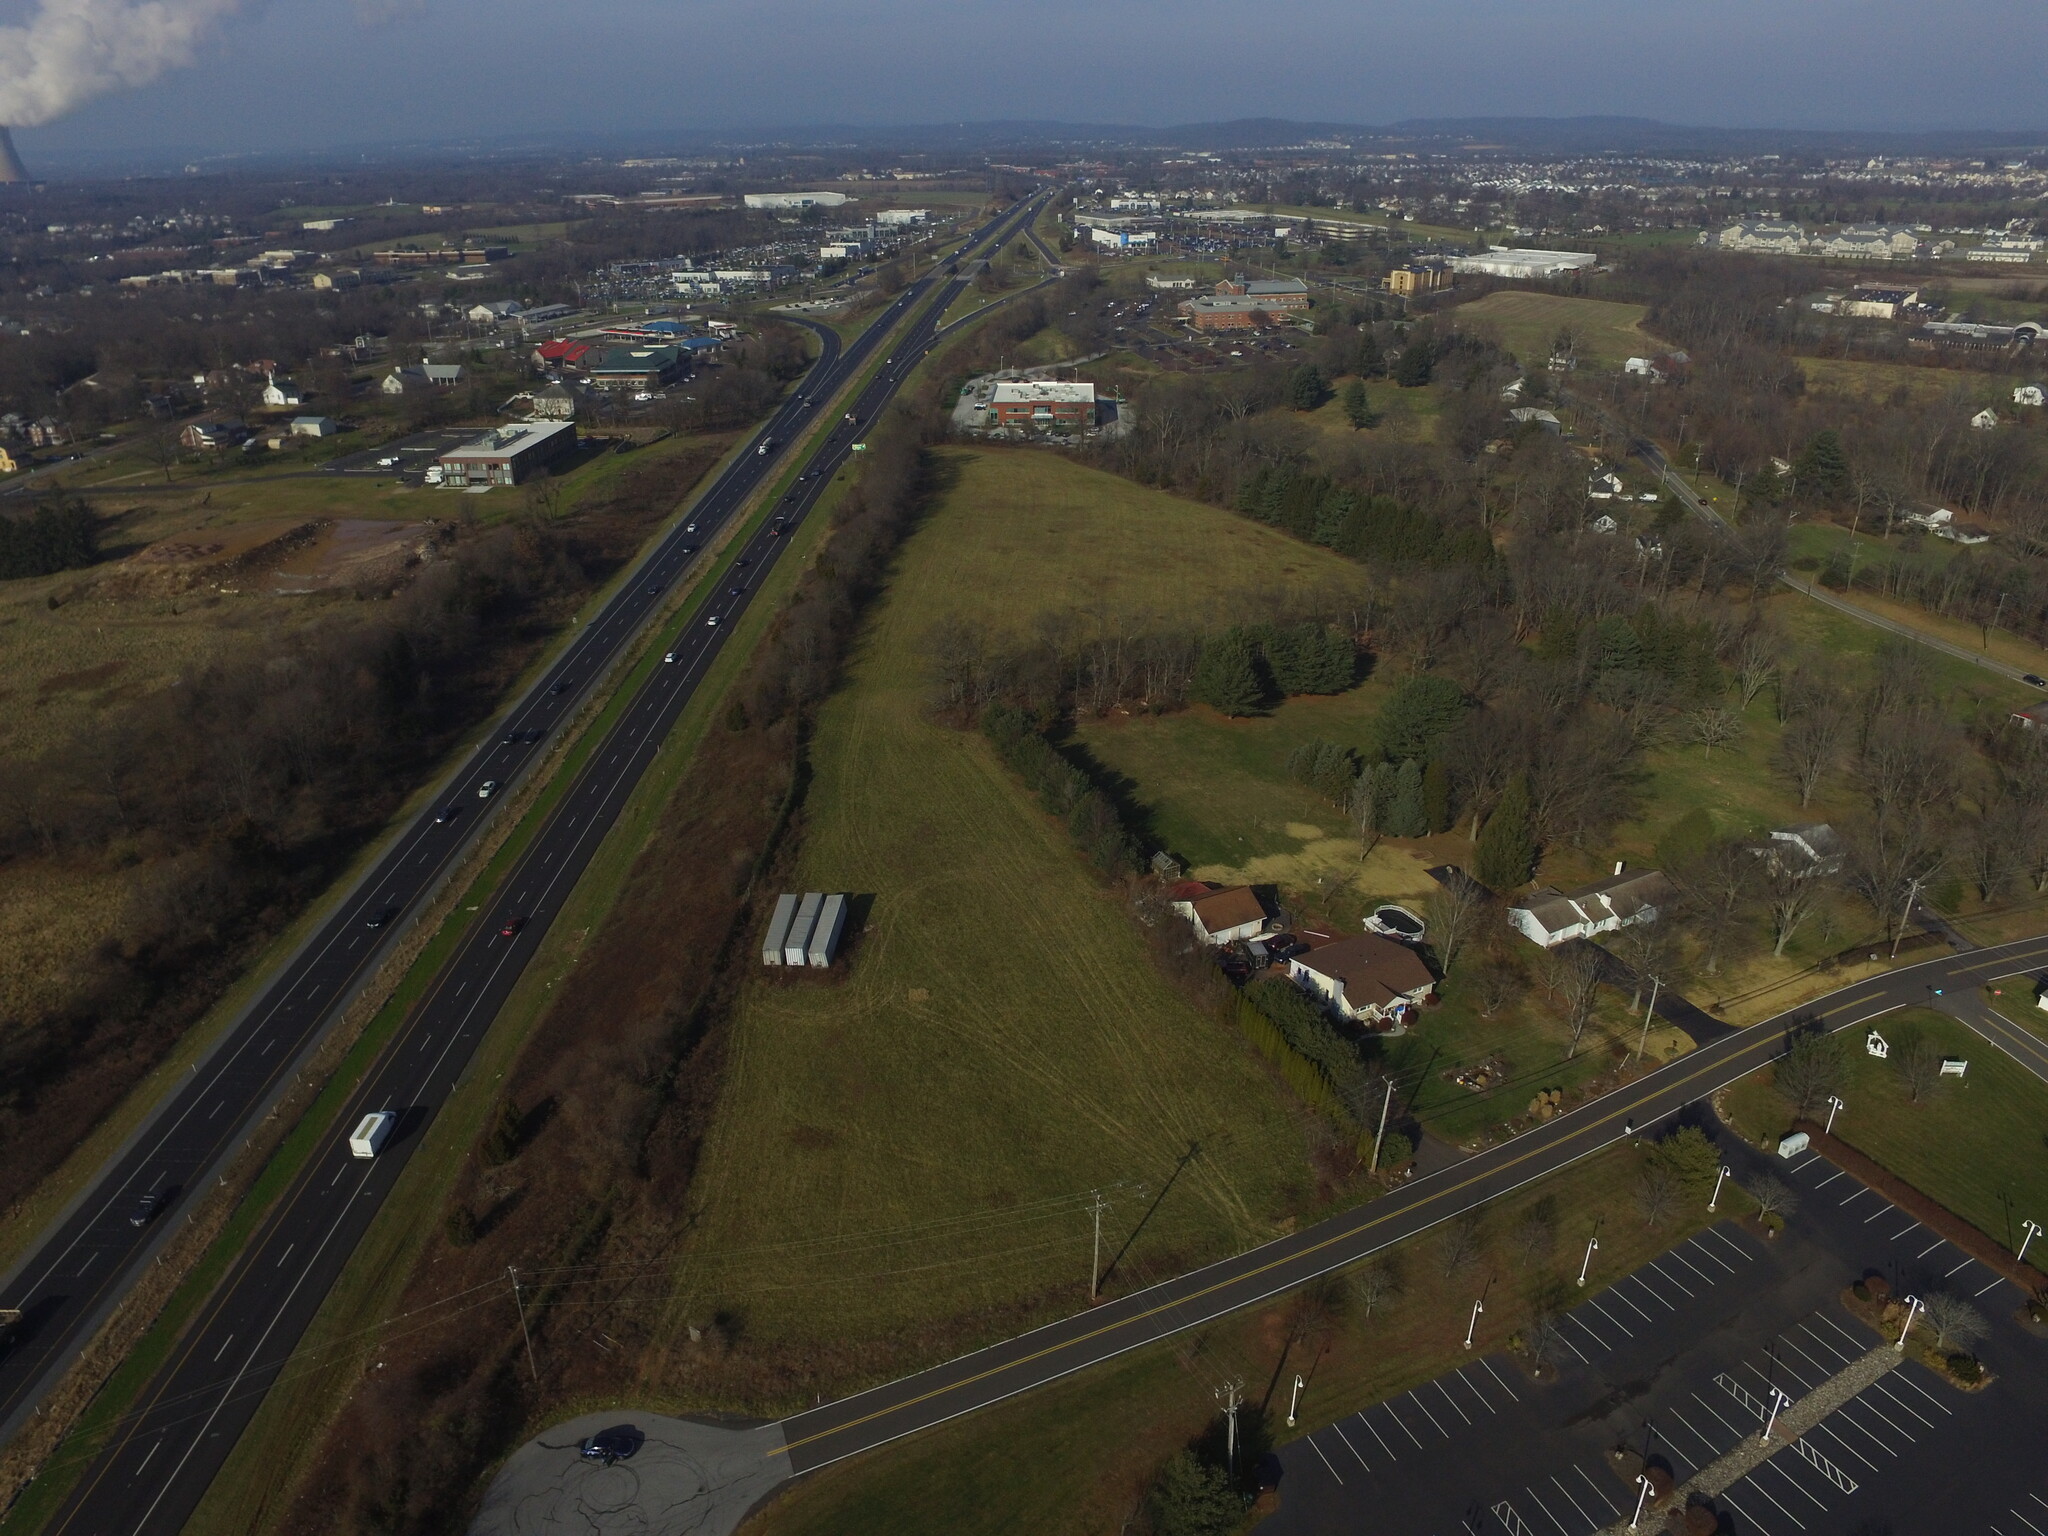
pixel 154 1471
pixel 845 1428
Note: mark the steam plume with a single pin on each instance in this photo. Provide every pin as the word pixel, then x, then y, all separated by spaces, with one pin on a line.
pixel 70 51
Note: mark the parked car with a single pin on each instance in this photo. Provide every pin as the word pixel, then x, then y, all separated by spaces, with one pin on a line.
pixel 614 1444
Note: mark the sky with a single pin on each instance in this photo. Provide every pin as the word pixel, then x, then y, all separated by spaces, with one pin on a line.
pixel 305 74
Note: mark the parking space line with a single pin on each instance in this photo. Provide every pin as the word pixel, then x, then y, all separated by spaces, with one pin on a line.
pixel 1967 1262
pixel 1806 1162
pixel 2023 1520
pixel 1860 1427
pixel 1793 1344
pixel 1888 1392
pixel 1908 1381
pixel 1908 1227
pixel 1779 1362
pixel 1824 1183
pixel 1766 1493
pixel 1568 1344
pixel 1574 1316
pixel 1402 1422
pixel 1847 1448
pixel 1930 1248
pixel 1861 1191
pixel 1338 1431
pixel 1439 1385
pixel 1654 1264
pixel 1497 1380
pixel 1709 1255
pixel 1378 1436
pixel 1882 1210
pixel 1858 1343
pixel 1688 1263
pixel 1322 1458
pixel 1761 1528
pixel 1460 1374
pixel 2038 1500
pixel 1575 1504
pixel 1887 1421
pixel 1546 1510
pixel 1713 1451
pixel 1615 1291
pixel 1996 1281
pixel 1416 1399
pixel 1594 1486
pixel 1730 1242
pixel 1715 1413
pixel 1807 1329
pixel 1594 1302
pixel 1779 1467
pixel 1669 1305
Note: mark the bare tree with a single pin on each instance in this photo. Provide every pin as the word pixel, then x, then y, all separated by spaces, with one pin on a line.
pixel 1756 663
pixel 1455 910
pixel 1812 1068
pixel 1954 1320
pixel 1572 972
pixel 1717 894
pixel 1376 1282
pixel 1918 1064
pixel 1458 1245
pixel 1713 727
pixel 1811 746
pixel 1791 896
pixel 1534 1236
pixel 1887 859
pixel 1773 1196
pixel 1656 1192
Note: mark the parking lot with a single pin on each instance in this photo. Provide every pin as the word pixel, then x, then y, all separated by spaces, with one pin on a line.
pixel 413 454
pixel 1681 1361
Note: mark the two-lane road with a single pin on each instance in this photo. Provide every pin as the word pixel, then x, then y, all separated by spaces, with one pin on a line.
pixel 156 1467
pixel 855 1424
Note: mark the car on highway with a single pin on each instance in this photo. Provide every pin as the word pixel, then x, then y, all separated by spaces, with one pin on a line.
pixel 712 622
pixel 654 589
pixel 2035 680
pixel 734 591
pixel 767 444
pixel 689 527
pixel 670 657
pixel 488 788
pixel 743 562
pixel 387 463
pixel 555 688
pixel 148 1208
pixel 446 814
pixel 512 927
pixel 380 917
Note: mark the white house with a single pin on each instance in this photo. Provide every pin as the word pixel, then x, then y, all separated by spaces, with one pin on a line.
pixel 1550 917
pixel 1224 916
pixel 1812 848
pixel 314 426
pixel 1985 419
pixel 2030 394
pixel 278 393
pixel 1369 979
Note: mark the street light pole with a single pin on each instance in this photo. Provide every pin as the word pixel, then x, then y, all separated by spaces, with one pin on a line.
pixel 1294 1403
pixel 1778 1400
pixel 1471 1327
pixel 1642 1498
pixel 1725 1171
pixel 1835 1106
pixel 1592 1247
pixel 2033 1230
pixel 1912 1311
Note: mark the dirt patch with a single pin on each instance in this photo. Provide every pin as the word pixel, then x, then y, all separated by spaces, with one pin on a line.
pixel 355 552
pixel 81 681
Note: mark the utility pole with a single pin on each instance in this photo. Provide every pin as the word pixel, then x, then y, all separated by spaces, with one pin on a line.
pixel 1723 1174
pixel 1912 897
pixel 520 1303
pixel 1294 1403
pixel 2033 1230
pixel 1096 1207
pixel 1996 614
pixel 1386 1107
pixel 1835 1107
pixel 1230 1395
pixel 1656 982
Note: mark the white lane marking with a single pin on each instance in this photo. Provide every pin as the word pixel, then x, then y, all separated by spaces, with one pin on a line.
pixel 1688 1263
pixel 1847 1448
pixel 1377 1436
pixel 1487 1405
pixel 1844 1416
pixel 1402 1422
pixel 267 1044
pixel 1715 1413
pixel 1908 1227
pixel 92 1257
pixel 1338 1431
pixel 2023 1520
pixel 1709 1255
pixel 224 1343
pixel 1824 1183
pixel 288 1247
pixel 1996 1281
pixel 1575 1504
pixel 1758 1488
pixel 1713 1450
pixel 1690 1293
pixel 1761 1528
pixel 1574 1317
pixel 1497 1380
pixel 1964 1265
pixel 1439 1385
pixel 219 1104
pixel 1882 1210
pixel 1596 1488
pixel 1546 1510
pixel 1930 1248
pixel 1860 1191
pixel 1616 1292
pixel 1728 1242
pixel 1594 1303
pixel 337 1175
pixel 1916 1413
pixel 155 1446
pixel 1908 1381
pixel 1311 1439
pixel 1416 1399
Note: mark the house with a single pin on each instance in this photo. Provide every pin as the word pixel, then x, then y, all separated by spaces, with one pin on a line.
pixel 2033 718
pixel 1604 486
pixel 214 432
pixel 2030 394
pixel 1963 533
pixel 48 432
pixel 1222 916
pixel 1813 848
pixel 1768 235
pixel 1369 979
pixel 1872 242
pixel 551 355
pixel 314 426
pixel 1168 284
pixel 558 402
pixel 1985 419
pixel 508 455
pixel 281 393
pixel 1043 406
pixel 1604 523
pixel 7 463
pixel 1928 517
pixel 1550 917
pixel 422 377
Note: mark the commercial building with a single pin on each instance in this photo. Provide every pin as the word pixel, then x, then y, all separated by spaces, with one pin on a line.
pixel 777 202
pixel 1038 405
pixel 441 256
pixel 1272 293
pixel 1124 239
pixel 1878 303
pixel 1418 277
pixel 1504 261
pixel 903 216
pixel 1214 314
pixel 509 455
pixel 635 367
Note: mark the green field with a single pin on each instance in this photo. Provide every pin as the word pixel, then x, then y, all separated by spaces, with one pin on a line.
pixel 1974 1145
pixel 1078 1456
pixel 1528 323
pixel 913 1140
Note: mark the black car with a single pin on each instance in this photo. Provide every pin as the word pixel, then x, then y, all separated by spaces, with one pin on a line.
pixel 446 814
pixel 511 738
pixel 689 549
pixel 147 1209
pixel 2035 680
pixel 654 589
pixel 380 917
pixel 555 688
pixel 615 1444
pixel 533 733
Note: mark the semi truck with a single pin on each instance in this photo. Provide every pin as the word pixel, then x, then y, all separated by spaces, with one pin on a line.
pixel 368 1138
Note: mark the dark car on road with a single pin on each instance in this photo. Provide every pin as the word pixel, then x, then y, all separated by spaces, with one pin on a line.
pixel 2035 680
pixel 446 814
pixel 148 1208
pixel 380 917
pixel 512 927
pixel 615 1444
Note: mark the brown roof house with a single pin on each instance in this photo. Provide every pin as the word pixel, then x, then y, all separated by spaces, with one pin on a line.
pixel 1550 917
pixel 1226 915
pixel 1369 979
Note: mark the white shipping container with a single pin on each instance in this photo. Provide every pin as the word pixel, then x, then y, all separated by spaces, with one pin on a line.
pixel 369 1137
pixel 778 930
pixel 797 943
pixel 825 937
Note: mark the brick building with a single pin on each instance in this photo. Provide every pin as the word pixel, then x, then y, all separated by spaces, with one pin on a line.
pixel 1036 405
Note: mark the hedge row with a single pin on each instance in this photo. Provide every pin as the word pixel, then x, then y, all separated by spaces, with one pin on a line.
pixel 1064 790
pixel 1308 1080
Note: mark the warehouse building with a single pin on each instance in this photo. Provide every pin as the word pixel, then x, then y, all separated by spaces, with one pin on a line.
pixel 775 202
pixel 509 455
pixel 1504 261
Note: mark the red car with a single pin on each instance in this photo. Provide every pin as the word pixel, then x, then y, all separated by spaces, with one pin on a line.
pixel 512 926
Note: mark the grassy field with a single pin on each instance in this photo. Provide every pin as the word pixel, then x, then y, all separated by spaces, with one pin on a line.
pixel 1902 382
pixel 1528 323
pixel 1077 1457
pixel 913 1140
pixel 1974 1144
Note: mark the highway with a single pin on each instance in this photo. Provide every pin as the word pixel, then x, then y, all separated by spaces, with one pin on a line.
pixel 154 1470
pixel 837 1430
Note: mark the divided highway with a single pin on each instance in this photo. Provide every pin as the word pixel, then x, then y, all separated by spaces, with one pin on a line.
pixel 855 1424
pixel 155 1469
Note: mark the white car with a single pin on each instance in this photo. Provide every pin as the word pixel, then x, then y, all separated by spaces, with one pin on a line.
pixel 712 621
pixel 670 657
pixel 389 463
pixel 488 788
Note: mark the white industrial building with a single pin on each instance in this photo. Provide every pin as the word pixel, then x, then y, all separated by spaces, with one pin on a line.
pixel 903 216
pixel 1124 239
pixel 1506 261
pixel 784 201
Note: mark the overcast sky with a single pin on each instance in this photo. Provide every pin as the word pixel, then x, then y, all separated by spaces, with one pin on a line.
pixel 293 74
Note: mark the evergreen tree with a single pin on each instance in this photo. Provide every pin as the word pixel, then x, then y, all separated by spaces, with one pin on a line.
pixel 1332 516
pixel 1307 658
pixel 1407 818
pixel 1436 795
pixel 1357 408
pixel 1415 364
pixel 1306 388
pixel 1193 1498
pixel 1371 363
pixel 59 535
pixel 1421 713
pixel 1227 675
pixel 1821 472
pixel 1505 856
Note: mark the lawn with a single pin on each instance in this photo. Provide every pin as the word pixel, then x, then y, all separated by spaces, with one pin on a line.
pixel 914 1139
pixel 1077 1456
pixel 1528 323
pixel 1974 1145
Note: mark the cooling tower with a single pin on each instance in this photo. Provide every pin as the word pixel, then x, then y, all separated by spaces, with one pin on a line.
pixel 11 168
